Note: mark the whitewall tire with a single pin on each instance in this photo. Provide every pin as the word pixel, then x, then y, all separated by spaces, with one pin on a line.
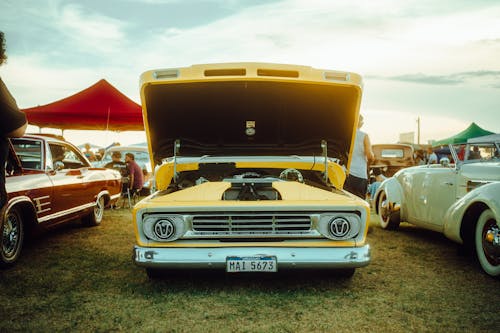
pixel 388 219
pixel 487 253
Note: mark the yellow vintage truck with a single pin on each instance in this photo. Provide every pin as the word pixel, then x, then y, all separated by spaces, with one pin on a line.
pixel 249 163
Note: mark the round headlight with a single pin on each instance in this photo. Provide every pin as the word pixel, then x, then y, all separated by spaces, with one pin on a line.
pixel 164 229
pixel 340 227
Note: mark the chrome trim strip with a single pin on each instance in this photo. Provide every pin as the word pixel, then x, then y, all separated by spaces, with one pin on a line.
pixel 287 257
pixel 115 196
pixel 66 212
pixel 40 205
pixel 223 235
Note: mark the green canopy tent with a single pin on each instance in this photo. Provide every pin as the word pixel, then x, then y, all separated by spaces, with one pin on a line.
pixel 473 131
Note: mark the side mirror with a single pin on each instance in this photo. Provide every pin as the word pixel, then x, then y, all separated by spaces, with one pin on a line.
pixel 58 165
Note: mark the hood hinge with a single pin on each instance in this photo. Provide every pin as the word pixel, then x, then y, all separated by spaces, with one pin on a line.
pixel 324 147
pixel 177 146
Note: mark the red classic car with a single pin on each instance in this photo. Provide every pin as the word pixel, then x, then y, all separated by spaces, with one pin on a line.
pixel 49 181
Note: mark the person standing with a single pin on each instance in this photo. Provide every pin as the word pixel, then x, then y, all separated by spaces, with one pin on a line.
pixel 89 154
pixel 362 155
pixel 117 163
pixel 135 173
pixel 120 166
pixel 432 157
pixel 13 123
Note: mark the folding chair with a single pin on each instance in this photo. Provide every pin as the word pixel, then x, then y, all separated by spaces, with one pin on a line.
pixel 128 196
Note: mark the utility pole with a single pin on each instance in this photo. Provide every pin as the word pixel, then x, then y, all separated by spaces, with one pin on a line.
pixel 418 130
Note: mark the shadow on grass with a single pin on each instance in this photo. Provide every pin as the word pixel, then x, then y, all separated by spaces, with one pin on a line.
pixel 425 245
pixel 294 283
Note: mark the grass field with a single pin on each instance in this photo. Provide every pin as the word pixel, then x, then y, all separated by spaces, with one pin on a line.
pixel 77 279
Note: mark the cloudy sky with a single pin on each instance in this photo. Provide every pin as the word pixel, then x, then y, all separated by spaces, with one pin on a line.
pixel 437 60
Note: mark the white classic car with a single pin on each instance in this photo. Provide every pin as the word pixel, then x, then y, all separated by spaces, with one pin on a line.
pixel 248 166
pixel 461 200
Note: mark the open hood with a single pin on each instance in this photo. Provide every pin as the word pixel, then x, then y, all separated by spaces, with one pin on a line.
pixel 250 109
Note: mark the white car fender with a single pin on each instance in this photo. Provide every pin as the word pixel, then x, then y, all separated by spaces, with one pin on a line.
pixel 485 195
pixel 393 191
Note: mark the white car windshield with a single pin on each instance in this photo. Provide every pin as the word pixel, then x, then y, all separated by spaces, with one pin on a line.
pixel 474 152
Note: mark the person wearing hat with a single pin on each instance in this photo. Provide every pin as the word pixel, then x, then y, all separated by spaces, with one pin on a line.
pixel 362 155
pixel 117 163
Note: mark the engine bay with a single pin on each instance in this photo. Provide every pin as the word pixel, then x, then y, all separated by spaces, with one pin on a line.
pixel 246 184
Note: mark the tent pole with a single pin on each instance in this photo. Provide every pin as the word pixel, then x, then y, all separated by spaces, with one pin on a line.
pixel 107 120
pixel 107 123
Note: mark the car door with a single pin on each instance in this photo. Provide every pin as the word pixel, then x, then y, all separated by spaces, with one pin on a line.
pixel 32 180
pixel 66 169
pixel 433 194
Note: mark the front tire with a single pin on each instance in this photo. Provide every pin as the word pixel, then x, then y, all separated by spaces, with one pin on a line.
pixel 487 253
pixel 155 273
pixel 12 237
pixel 95 218
pixel 388 219
pixel 346 273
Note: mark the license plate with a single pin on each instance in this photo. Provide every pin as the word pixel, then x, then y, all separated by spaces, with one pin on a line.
pixel 251 264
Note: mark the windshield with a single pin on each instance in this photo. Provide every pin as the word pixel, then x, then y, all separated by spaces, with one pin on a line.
pixel 486 151
pixel 392 153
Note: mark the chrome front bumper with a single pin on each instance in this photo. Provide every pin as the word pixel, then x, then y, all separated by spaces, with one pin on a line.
pixel 287 257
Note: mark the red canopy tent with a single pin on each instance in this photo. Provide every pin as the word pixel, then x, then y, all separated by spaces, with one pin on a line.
pixel 99 107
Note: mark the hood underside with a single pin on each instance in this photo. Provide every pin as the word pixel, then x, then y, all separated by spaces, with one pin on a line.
pixel 249 115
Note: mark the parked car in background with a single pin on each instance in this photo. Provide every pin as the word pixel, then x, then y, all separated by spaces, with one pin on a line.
pixel 390 158
pixel 49 182
pixel 460 200
pixel 249 170
pixel 141 156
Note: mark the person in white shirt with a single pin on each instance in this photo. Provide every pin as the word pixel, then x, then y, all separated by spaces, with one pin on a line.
pixel 431 157
pixel 362 155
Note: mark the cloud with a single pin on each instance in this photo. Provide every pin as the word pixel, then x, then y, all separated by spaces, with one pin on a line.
pixel 427 79
pixel 89 31
pixel 380 38
pixel 485 78
pixel 31 83
pixel 421 55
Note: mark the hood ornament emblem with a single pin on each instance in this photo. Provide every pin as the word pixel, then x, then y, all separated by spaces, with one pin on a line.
pixel 250 128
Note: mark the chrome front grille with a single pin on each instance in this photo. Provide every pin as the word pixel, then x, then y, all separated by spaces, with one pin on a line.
pixel 240 224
